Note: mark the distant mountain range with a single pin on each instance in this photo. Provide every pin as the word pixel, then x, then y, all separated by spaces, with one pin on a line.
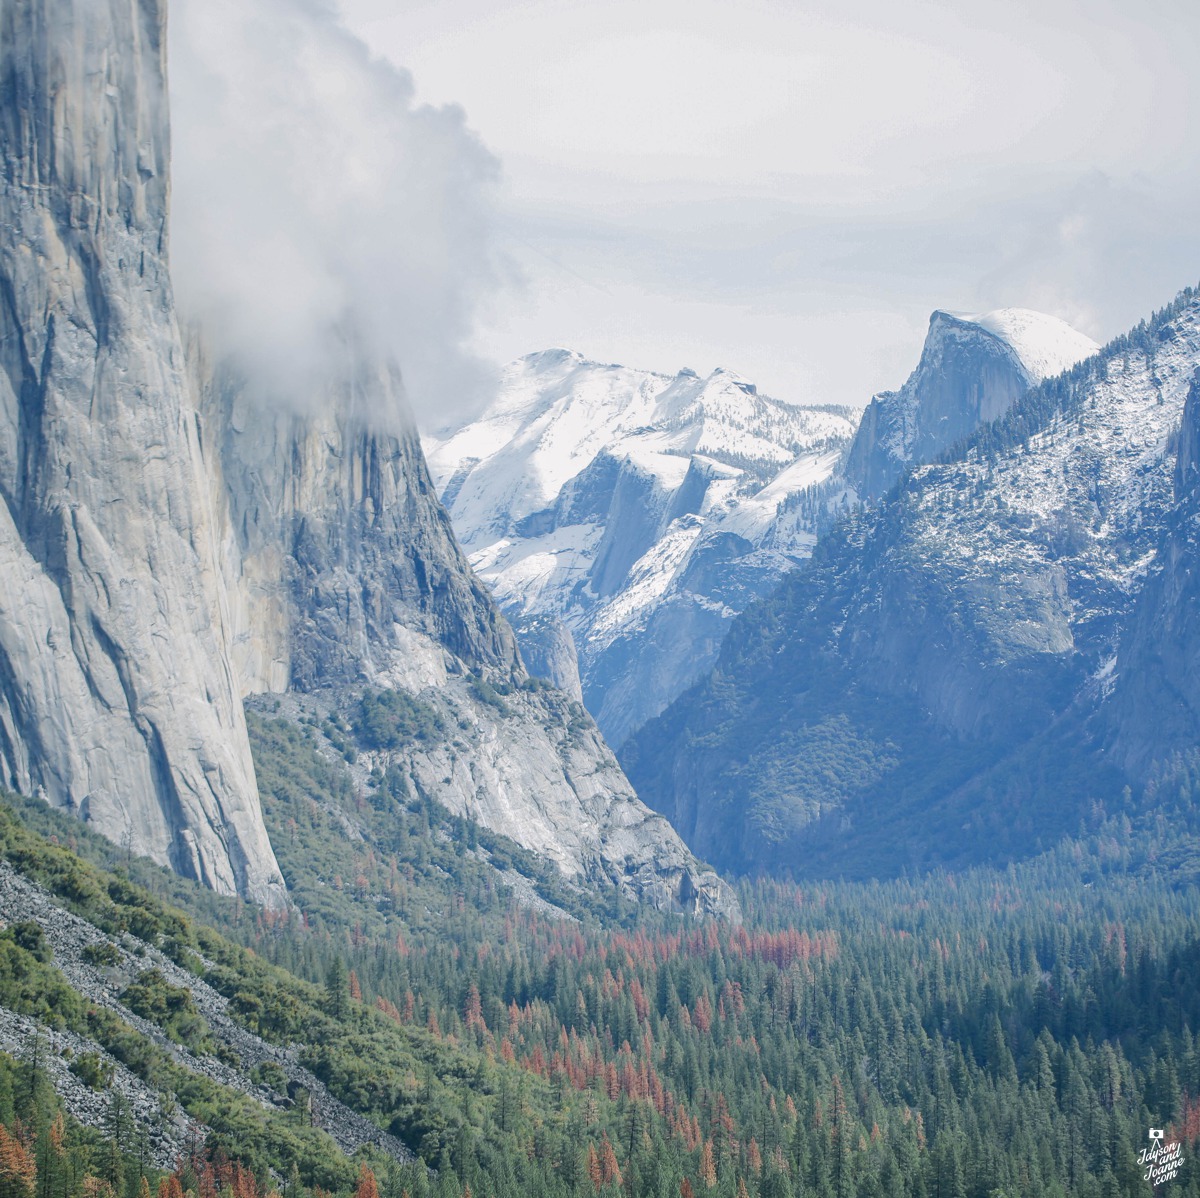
pixel 995 637
pixel 623 518
pixel 1000 649
pixel 995 634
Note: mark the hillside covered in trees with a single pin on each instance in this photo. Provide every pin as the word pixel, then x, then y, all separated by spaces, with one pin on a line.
pixel 998 1032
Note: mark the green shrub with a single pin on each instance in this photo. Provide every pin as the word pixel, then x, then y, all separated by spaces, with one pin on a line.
pixel 103 954
pixel 170 1007
pixel 392 719
pixel 29 935
pixel 485 692
pixel 93 1070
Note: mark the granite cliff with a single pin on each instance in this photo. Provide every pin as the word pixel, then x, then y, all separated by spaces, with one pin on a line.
pixel 118 697
pixel 175 541
pixel 972 370
pixel 346 577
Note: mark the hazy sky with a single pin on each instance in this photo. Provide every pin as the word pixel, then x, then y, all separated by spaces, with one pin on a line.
pixel 788 189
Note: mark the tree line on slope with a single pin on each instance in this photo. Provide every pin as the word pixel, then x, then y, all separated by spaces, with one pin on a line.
pixel 998 1032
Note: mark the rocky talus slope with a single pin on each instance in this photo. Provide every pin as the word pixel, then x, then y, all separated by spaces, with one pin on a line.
pixel 169 1132
pixel 69 937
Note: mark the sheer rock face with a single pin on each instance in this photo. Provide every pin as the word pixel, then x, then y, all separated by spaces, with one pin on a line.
pixel 972 370
pixel 170 541
pixel 343 565
pixel 346 575
pixel 550 652
pixel 118 697
pixel 1157 674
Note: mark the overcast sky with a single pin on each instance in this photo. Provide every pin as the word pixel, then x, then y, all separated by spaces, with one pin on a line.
pixel 788 189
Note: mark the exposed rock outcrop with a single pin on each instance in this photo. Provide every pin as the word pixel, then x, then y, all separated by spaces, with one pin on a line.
pixel 118 697
pixel 549 651
pixel 170 541
pixel 344 566
pixel 346 576
pixel 972 370
pixel 1157 671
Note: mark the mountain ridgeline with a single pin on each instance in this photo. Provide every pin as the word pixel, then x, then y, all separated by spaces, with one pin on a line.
pixel 176 542
pixel 992 650
pixel 622 517
pixel 973 667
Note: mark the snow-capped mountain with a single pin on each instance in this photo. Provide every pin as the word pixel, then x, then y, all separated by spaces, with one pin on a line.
pixel 982 660
pixel 632 514
pixel 972 370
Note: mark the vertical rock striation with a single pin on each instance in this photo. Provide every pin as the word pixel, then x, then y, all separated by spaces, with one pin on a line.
pixel 1157 689
pixel 343 565
pixel 171 541
pixel 346 575
pixel 118 697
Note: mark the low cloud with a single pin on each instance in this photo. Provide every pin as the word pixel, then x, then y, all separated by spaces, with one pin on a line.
pixel 312 195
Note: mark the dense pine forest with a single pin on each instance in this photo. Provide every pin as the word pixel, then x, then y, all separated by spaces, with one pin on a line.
pixel 990 1033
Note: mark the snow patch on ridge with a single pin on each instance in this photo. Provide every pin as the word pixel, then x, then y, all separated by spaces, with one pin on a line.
pixel 1046 345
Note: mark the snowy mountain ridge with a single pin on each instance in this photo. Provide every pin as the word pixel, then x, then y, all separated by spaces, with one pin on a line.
pixel 952 654
pixel 622 518
pixel 639 511
pixel 1045 345
pixel 556 411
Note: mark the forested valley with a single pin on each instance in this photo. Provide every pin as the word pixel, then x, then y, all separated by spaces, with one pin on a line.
pixel 993 1032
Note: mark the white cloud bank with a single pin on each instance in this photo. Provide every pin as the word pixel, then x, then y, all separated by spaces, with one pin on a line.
pixel 310 192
